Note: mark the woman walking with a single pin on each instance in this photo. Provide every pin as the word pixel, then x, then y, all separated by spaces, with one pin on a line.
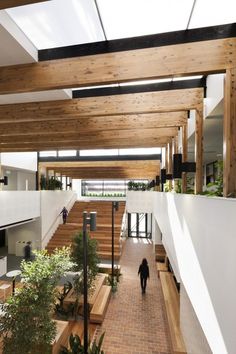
pixel 144 274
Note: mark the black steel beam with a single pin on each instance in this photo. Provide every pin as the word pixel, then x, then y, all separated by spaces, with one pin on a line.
pixel 141 42
pixel 160 86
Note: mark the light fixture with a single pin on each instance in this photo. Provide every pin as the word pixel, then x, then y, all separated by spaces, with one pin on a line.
pixel 4 180
pixel 179 166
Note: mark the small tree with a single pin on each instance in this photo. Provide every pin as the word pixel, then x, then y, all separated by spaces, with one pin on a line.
pixel 27 326
pixel 77 258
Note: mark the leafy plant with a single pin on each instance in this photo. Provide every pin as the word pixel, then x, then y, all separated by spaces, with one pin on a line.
pixel 26 324
pixel 137 186
pixel 76 347
pixel 50 184
pixel 59 308
pixel 115 280
pixel 77 258
pixel 216 188
pixel 178 186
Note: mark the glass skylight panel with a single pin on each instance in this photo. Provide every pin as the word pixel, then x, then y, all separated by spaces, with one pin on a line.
pixel 59 23
pixel 140 151
pixel 129 18
pixel 212 13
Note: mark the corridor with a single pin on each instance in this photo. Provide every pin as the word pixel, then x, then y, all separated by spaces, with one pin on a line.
pixel 136 323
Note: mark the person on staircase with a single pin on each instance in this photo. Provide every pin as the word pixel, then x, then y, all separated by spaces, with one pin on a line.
pixel 64 213
pixel 143 272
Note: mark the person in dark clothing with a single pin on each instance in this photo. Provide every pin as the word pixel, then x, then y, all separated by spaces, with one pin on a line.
pixel 27 251
pixel 64 213
pixel 144 274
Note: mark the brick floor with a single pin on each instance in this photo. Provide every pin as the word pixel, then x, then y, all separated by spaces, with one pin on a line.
pixel 136 323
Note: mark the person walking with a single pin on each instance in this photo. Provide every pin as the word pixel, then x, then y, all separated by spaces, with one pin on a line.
pixel 143 272
pixel 27 252
pixel 64 213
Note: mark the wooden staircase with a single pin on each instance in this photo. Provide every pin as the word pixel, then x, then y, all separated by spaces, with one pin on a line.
pixel 65 232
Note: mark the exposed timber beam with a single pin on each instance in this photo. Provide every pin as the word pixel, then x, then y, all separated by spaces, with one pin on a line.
pixel 89 144
pixel 229 144
pixel 199 149
pixel 136 103
pixel 96 135
pixel 81 164
pixel 195 58
pixel 140 121
pixel 5 4
pixel 184 156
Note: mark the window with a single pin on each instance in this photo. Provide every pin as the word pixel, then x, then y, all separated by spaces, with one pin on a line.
pixel 48 153
pixel 62 153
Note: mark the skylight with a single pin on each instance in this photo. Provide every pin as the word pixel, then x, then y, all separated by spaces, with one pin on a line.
pixel 212 13
pixel 130 18
pixel 59 23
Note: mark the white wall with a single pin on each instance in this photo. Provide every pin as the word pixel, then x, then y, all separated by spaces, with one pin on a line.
pixel 23 160
pixel 199 235
pixel 18 206
pixel 215 92
pixel 194 338
pixel 18 179
pixel 26 232
pixel 156 232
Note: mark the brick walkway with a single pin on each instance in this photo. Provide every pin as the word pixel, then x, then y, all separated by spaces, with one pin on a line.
pixel 136 323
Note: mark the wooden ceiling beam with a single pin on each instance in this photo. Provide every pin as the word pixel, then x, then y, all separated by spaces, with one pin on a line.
pixel 137 103
pixel 90 144
pixel 140 121
pixel 204 57
pixel 105 164
pixel 6 4
pixel 108 135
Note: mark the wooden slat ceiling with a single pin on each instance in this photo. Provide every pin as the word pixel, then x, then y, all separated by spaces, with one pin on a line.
pixel 104 169
pixel 5 4
pixel 195 58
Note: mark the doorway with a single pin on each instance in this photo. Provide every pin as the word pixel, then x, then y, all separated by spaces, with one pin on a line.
pixel 140 225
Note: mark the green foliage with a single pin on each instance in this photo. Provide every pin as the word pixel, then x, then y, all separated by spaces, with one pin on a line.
pixel 26 325
pixel 104 195
pixel 76 347
pixel 216 188
pixel 137 186
pixel 115 280
pixel 59 308
pixel 77 258
pixel 178 186
pixel 190 184
pixel 50 184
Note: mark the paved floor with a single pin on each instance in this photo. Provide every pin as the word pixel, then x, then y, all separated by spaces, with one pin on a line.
pixel 136 323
